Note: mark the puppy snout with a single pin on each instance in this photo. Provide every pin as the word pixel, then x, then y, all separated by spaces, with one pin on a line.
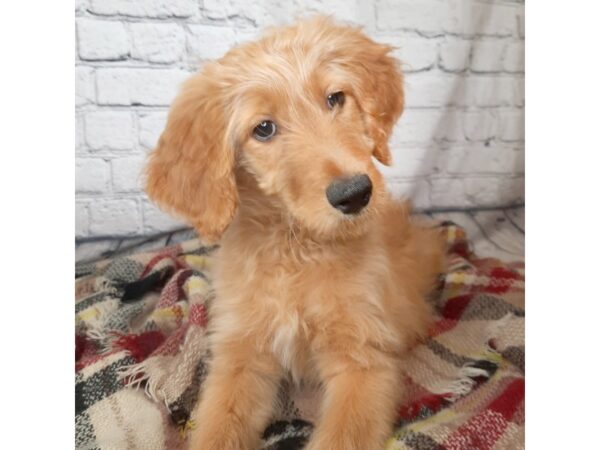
pixel 350 195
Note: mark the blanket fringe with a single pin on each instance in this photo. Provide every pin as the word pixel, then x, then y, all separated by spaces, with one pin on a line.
pixel 466 382
pixel 468 373
pixel 96 323
pixel 100 338
pixel 136 375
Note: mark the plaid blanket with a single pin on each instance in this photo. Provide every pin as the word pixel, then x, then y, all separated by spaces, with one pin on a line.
pixel 141 352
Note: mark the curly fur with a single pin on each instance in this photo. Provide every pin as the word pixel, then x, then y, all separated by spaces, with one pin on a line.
pixel 302 289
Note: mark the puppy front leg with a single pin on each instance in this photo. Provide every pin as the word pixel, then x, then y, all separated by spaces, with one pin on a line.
pixel 237 399
pixel 359 407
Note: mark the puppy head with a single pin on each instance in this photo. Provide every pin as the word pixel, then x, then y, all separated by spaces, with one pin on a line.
pixel 302 111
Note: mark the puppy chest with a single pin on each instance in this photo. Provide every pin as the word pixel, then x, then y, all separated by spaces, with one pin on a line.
pixel 289 343
pixel 284 342
pixel 291 328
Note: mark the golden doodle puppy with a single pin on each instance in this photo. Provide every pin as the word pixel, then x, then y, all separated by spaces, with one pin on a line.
pixel 321 276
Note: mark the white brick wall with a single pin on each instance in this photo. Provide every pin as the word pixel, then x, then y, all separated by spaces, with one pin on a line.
pixel 102 40
pixel 460 142
pixel 157 42
pixel 109 130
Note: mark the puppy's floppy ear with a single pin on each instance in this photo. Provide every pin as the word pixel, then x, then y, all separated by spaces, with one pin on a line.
pixel 191 170
pixel 380 93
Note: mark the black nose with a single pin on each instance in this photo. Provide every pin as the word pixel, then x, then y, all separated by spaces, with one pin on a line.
pixel 350 195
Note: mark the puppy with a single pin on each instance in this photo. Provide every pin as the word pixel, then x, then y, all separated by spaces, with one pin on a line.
pixel 320 276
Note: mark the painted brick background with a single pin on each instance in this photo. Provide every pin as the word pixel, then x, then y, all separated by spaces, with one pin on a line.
pixel 460 142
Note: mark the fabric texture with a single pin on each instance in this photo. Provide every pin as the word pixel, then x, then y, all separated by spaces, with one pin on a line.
pixel 141 356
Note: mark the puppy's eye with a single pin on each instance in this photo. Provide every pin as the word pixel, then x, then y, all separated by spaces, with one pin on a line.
pixel 264 131
pixel 337 98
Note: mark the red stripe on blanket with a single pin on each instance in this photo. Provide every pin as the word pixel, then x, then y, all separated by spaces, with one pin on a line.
pixel 482 431
pixel 501 280
pixel 172 344
pixel 455 306
pixel 198 315
pixel 433 402
pixel 141 345
pixel 451 314
pixel 80 346
pixel 461 248
pixel 173 290
pixel 155 260
pixel 509 401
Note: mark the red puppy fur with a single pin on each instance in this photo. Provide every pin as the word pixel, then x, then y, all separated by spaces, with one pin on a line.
pixel 303 290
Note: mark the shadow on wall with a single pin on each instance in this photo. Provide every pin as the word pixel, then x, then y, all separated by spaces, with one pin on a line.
pixel 473 153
